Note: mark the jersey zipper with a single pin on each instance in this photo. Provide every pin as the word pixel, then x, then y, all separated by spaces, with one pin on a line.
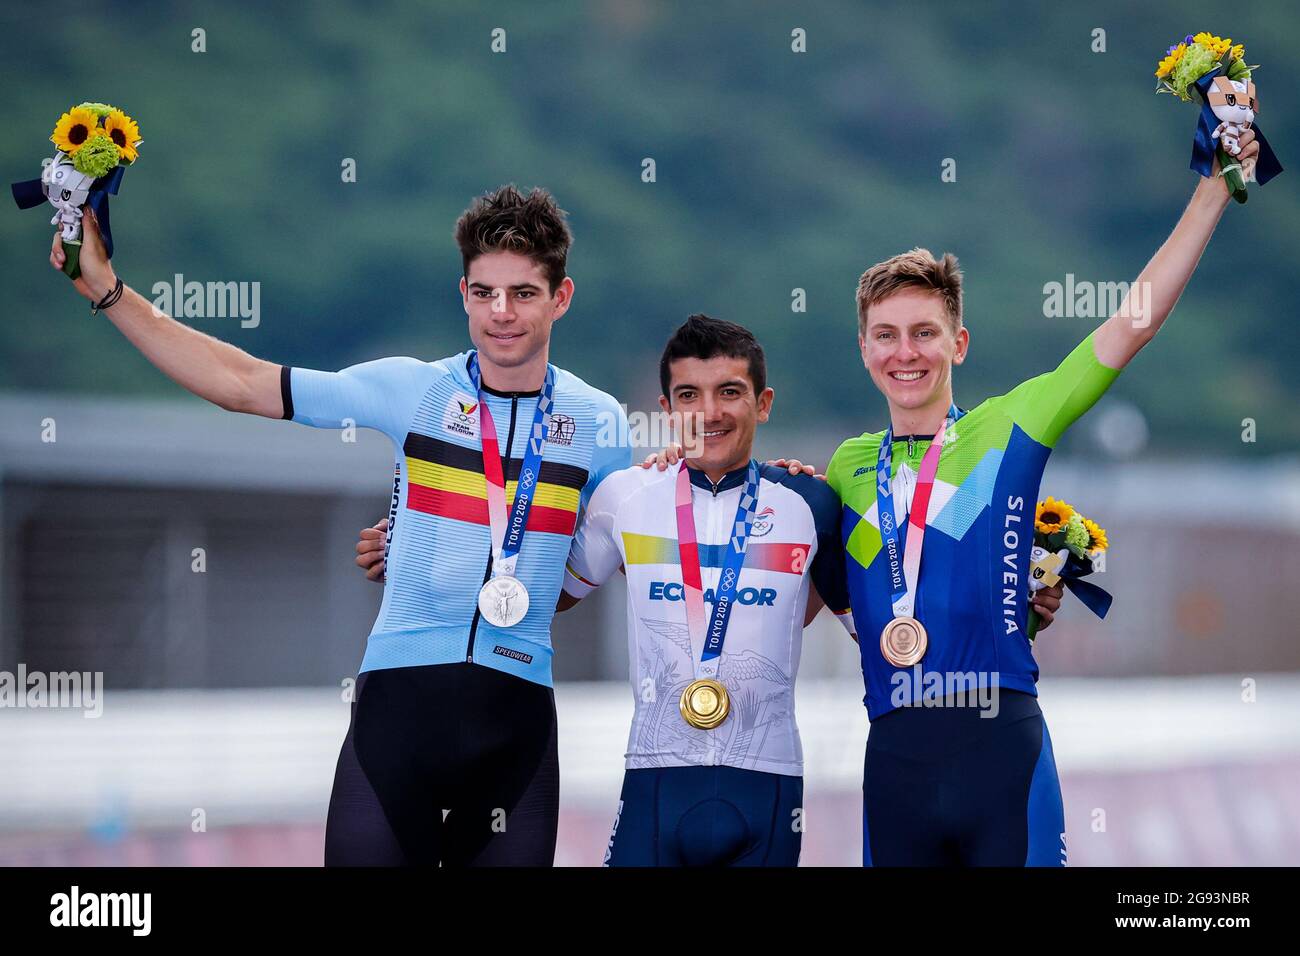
pixel 487 571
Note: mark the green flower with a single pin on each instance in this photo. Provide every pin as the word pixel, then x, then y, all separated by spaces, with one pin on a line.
pixel 99 109
pixel 1238 71
pixel 1196 62
pixel 98 156
pixel 1076 535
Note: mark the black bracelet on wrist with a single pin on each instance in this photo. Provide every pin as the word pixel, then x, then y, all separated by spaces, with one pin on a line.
pixel 109 300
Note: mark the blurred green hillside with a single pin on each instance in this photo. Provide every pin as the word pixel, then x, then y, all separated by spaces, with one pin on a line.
pixel 775 171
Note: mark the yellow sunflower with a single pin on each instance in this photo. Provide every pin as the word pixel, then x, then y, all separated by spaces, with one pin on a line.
pixel 124 133
pixel 1238 51
pixel 1170 61
pixel 1051 515
pixel 1097 534
pixel 1216 45
pixel 74 128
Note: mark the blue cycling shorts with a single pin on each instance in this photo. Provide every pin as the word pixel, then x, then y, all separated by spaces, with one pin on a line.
pixel 707 816
pixel 945 786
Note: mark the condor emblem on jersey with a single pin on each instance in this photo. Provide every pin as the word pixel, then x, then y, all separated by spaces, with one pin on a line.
pixel 461 415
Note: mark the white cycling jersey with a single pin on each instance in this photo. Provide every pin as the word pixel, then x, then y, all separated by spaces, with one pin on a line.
pixel 631 521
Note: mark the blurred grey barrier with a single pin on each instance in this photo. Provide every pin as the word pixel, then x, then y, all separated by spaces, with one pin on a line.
pixel 1156 771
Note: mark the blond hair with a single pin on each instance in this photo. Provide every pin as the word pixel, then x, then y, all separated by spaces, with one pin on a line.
pixel 917 269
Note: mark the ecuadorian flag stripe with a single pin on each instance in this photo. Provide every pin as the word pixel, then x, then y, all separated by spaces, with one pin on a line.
pixel 760 556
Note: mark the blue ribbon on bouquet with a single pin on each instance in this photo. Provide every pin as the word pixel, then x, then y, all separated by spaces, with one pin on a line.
pixel 1095 598
pixel 1204 145
pixel 29 194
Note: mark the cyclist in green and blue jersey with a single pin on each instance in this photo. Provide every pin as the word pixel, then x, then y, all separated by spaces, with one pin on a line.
pixel 946 782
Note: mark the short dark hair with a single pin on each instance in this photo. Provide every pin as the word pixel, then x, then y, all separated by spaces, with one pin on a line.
pixel 506 220
pixel 703 337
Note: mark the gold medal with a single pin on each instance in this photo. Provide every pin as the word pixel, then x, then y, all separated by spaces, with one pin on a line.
pixel 705 703
pixel 903 641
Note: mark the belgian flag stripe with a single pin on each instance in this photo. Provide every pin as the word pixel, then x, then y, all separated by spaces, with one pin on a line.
pixel 449 504
pixel 474 484
pixel 439 452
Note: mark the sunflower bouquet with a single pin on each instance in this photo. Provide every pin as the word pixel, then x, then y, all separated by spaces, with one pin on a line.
pixel 1215 70
pixel 1067 548
pixel 94 143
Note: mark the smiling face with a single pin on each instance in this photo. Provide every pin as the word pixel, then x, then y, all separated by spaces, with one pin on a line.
pixel 909 347
pixel 1233 101
pixel 719 410
pixel 511 309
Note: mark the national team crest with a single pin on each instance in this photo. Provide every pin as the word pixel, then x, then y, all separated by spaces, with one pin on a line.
pixel 461 415
pixel 763 522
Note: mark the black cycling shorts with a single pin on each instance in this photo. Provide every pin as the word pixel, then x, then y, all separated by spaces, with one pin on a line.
pixel 446 763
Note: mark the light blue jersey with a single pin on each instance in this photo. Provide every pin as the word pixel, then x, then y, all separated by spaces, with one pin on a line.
pixel 439 547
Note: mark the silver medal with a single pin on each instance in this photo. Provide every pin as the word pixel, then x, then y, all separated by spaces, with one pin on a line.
pixel 503 601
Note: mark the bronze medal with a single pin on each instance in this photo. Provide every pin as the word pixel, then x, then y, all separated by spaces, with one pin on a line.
pixel 903 641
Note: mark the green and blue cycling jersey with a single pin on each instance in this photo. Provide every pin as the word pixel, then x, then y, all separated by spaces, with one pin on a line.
pixel 973 578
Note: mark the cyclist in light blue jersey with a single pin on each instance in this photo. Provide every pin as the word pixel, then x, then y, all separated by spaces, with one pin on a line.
pixel 496 453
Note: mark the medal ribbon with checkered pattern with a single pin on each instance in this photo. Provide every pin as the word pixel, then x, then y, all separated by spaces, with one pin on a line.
pixel 904 577
pixel 712 634
pixel 508 535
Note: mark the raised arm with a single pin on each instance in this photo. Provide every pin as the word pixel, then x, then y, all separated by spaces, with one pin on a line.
pixel 1162 282
pixel 208 367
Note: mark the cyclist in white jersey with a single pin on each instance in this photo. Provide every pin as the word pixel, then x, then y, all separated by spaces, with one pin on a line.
pixel 729 794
